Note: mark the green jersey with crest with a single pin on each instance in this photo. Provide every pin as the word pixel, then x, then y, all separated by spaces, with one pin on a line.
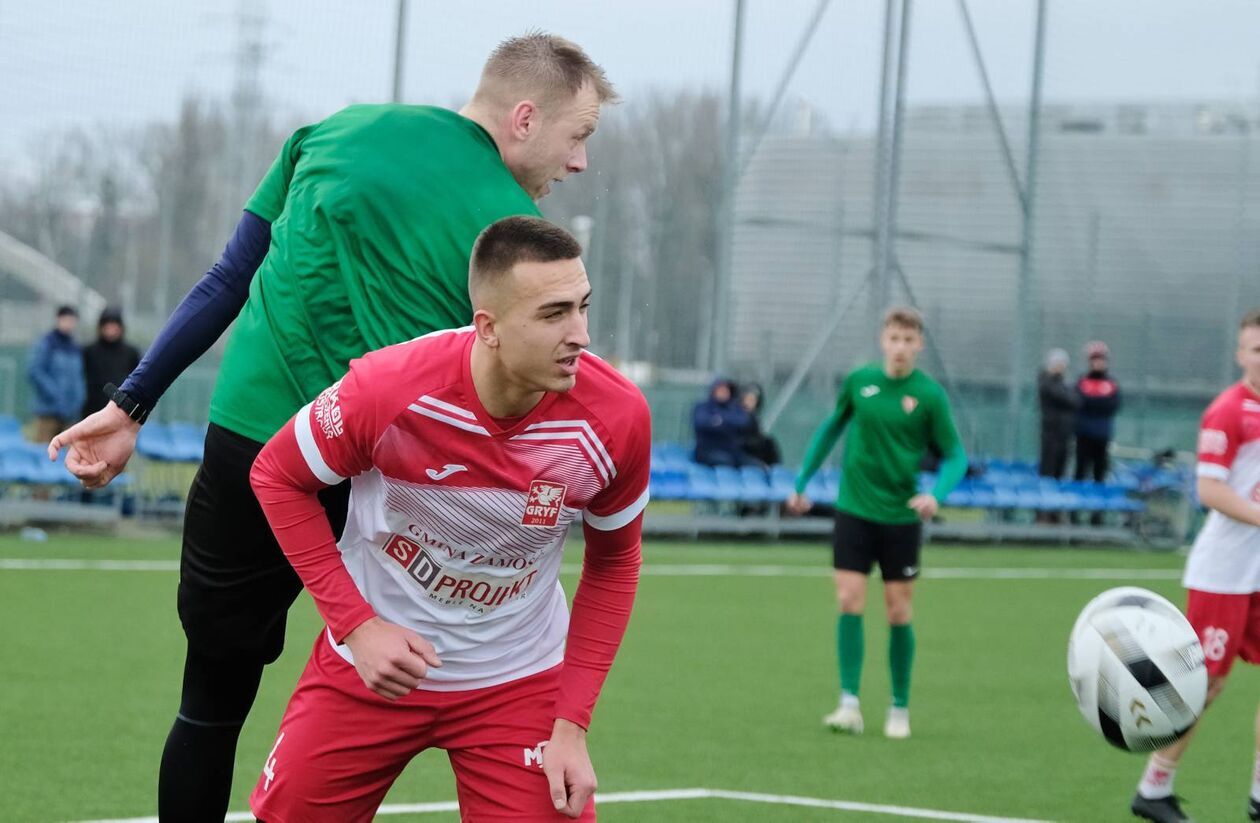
pixel 373 215
pixel 892 422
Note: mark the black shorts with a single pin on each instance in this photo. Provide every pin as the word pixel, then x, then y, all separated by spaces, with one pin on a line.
pixel 235 584
pixel 858 543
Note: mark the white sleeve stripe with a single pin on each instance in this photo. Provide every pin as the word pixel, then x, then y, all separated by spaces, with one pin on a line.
pixel 614 521
pixel 1212 470
pixel 310 451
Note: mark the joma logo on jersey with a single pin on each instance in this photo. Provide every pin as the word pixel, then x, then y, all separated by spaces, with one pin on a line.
pixel 542 506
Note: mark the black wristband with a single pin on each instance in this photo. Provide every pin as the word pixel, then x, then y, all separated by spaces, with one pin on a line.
pixel 127 403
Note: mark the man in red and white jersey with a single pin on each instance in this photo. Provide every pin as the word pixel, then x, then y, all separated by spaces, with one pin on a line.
pixel 470 453
pixel 1223 570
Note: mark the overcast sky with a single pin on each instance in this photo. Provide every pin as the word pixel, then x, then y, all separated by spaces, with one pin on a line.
pixel 91 62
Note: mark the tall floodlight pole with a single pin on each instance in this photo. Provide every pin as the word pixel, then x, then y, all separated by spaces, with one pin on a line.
pixel 881 239
pixel 718 355
pixel 400 32
pixel 1024 287
pixel 888 263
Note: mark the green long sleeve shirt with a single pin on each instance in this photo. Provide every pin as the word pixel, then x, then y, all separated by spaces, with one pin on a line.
pixel 892 422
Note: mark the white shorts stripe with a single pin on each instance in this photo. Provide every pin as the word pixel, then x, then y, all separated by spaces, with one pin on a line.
pixel 310 451
pixel 616 520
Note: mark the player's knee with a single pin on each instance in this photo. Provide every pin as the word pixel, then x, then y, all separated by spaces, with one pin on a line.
pixel 218 691
pixel 850 599
pixel 899 614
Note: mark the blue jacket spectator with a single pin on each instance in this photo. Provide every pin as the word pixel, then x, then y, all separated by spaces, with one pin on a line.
pixel 56 374
pixel 720 422
pixel 1099 397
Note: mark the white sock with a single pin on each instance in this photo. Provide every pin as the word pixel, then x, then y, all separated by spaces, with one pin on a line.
pixel 1157 780
pixel 848 701
pixel 898 711
pixel 1255 779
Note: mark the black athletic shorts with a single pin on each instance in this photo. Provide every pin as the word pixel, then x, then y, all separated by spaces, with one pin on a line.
pixel 858 543
pixel 235 584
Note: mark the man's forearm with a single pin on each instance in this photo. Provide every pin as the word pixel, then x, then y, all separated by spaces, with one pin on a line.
pixel 601 612
pixel 287 491
pixel 1218 496
pixel 204 314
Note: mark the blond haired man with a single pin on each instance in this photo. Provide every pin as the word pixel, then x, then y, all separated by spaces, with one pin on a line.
pixel 358 237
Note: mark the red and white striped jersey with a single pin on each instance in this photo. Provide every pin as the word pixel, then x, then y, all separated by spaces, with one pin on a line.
pixel 1226 555
pixel 457 521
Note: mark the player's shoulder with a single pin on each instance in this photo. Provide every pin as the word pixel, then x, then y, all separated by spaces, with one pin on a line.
pixel 433 357
pixel 862 375
pixel 1231 403
pixel 607 393
pixel 929 384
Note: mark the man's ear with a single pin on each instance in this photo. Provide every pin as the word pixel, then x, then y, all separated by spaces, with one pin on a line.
pixel 524 120
pixel 485 323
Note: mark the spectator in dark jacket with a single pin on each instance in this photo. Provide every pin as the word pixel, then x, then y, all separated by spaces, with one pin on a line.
pixel 109 360
pixel 756 444
pixel 1099 397
pixel 719 422
pixel 55 370
pixel 1058 402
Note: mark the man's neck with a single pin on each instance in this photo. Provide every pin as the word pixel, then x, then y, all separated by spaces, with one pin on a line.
pixel 893 373
pixel 499 395
pixel 1254 385
pixel 483 118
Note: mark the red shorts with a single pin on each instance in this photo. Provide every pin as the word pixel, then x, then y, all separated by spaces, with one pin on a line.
pixel 1228 626
pixel 341 746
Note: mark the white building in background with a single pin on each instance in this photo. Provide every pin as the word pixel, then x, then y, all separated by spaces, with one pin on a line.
pixel 1147 219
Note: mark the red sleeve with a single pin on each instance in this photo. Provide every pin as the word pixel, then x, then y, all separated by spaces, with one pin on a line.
pixel 626 496
pixel 1219 438
pixel 601 612
pixel 328 440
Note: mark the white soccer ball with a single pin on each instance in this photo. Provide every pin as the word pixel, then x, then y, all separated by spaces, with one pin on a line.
pixel 1136 668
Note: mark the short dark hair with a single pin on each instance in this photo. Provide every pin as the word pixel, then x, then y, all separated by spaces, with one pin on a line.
pixel 512 240
pixel 67 311
pixel 1250 319
pixel 907 317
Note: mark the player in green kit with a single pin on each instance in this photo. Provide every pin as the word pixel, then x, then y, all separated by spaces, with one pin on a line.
pixel 357 238
pixel 894 414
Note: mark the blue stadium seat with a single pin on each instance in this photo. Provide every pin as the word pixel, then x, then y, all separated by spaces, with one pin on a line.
pixel 730 486
pixel 701 483
pixel 10 429
pixel 983 496
pixel 782 482
pixel 668 484
pixel 187 442
pixel 756 485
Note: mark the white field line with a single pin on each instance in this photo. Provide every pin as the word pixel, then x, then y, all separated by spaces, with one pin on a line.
pixel 672 570
pixel 682 794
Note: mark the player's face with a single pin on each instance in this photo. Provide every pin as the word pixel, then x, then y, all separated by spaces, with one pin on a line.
pixel 542 329
pixel 901 346
pixel 1249 354
pixel 558 147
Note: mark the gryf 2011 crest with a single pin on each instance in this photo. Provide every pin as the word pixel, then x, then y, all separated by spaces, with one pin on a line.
pixel 542 506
